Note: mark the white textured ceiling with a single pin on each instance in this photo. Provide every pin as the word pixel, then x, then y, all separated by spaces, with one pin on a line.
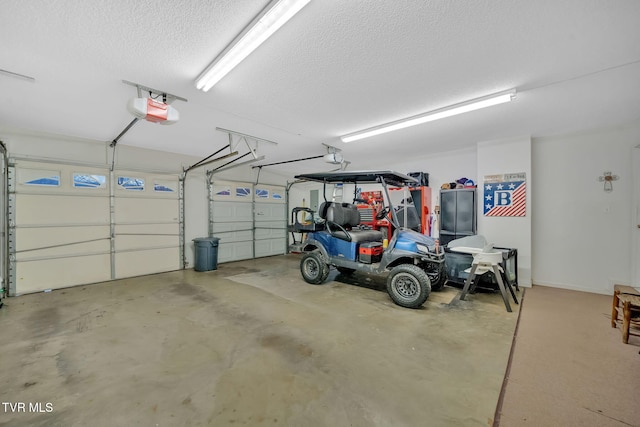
pixel 337 67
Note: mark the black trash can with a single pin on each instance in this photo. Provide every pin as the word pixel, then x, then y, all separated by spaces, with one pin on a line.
pixel 206 253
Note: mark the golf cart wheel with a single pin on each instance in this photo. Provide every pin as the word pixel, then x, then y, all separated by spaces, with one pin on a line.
pixel 408 286
pixel 345 270
pixel 313 268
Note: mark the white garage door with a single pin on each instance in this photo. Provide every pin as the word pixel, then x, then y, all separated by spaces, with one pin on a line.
pixel 270 220
pixel 231 219
pixel 249 220
pixel 147 228
pixel 61 225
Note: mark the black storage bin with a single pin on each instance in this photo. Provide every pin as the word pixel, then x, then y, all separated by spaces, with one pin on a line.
pixel 457 262
pixel 206 253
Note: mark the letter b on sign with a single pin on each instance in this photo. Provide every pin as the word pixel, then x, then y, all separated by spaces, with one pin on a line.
pixel 503 198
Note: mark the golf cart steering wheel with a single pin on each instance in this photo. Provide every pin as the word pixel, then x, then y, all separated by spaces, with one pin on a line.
pixel 383 213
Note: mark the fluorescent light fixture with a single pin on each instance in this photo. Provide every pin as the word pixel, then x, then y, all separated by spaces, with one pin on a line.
pixel 464 107
pixel 274 16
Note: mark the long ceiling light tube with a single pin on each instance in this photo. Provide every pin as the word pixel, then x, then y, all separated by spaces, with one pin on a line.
pixel 464 107
pixel 274 16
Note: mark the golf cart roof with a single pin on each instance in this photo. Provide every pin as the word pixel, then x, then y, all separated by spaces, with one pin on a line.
pixel 364 177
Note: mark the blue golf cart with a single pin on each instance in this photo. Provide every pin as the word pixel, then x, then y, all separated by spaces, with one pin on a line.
pixel 413 262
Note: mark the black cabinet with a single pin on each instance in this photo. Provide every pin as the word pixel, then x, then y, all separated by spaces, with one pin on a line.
pixel 458 212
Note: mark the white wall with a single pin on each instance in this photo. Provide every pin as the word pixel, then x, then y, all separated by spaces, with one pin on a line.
pixel 582 235
pixel 442 167
pixel 300 192
pixel 511 155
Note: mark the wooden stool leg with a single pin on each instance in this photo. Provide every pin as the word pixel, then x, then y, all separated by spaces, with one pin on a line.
pixel 614 309
pixel 626 319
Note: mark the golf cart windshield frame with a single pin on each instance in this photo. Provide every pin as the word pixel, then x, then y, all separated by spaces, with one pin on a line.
pixel 384 177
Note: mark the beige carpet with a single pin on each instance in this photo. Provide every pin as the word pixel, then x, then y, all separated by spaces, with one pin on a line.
pixel 569 367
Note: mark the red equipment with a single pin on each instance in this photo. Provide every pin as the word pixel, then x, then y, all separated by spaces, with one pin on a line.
pixel 422 200
pixel 421 197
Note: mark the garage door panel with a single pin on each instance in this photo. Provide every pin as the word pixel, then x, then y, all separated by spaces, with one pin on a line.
pixel 129 210
pixel 138 263
pixel 173 229
pixel 36 276
pixel 32 243
pixel 33 209
pixel 234 251
pixel 144 242
pixel 28 238
pixel 140 236
pixel 270 212
pixel 270 230
pixel 269 247
pixel 232 211
pixel 233 231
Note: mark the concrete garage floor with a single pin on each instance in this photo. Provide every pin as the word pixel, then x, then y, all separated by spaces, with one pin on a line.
pixel 250 344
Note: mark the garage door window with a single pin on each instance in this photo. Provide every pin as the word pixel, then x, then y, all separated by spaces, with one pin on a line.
pixel 221 191
pixel 83 180
pixel 129 183
pixel 262 193
pixel 164 187
pixel 46 178
pixel 243 192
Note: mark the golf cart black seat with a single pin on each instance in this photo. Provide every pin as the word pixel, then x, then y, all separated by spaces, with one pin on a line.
pixel 340 220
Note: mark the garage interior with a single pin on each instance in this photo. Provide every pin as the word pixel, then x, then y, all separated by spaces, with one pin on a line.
pixel 119 152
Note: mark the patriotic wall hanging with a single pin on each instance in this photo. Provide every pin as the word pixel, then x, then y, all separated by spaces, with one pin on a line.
pixel 505 195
